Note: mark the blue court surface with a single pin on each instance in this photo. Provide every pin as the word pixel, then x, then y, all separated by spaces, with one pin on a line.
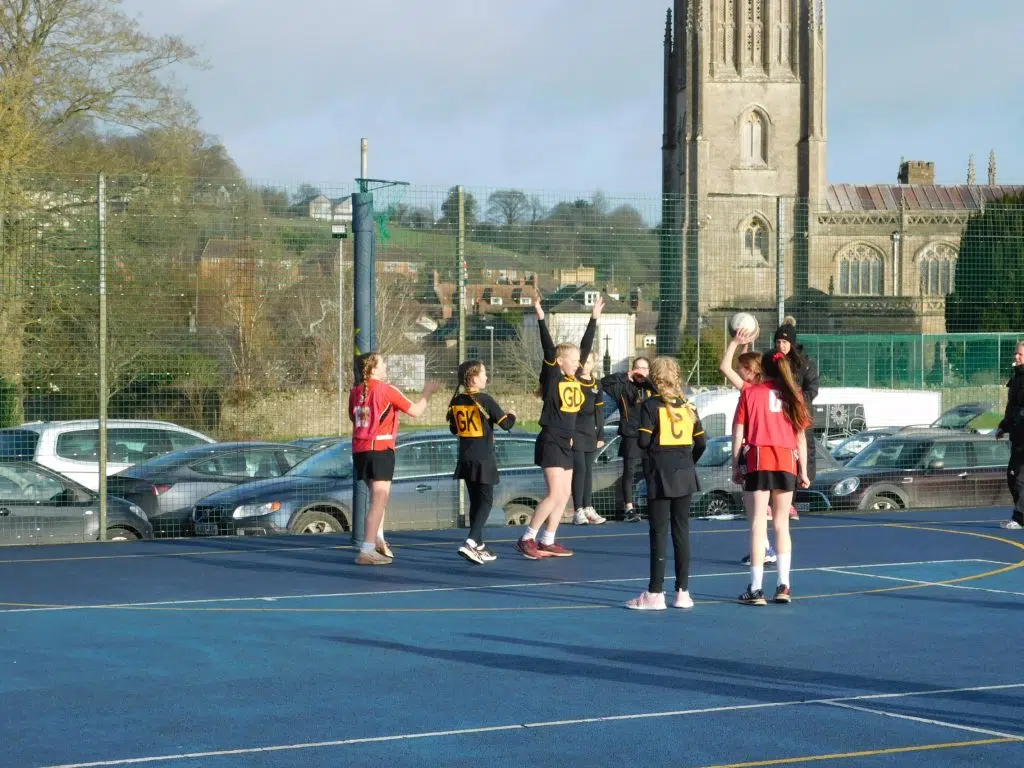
pixel 902 648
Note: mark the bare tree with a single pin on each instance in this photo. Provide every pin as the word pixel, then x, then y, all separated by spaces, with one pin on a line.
pixel 507 206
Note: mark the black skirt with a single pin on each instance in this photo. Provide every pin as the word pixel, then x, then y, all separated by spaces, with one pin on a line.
pixel 473 471
pixel 552 451
pixel 767 480
pixel 374 465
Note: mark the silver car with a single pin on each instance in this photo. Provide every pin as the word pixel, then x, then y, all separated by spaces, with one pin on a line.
pixel 316 495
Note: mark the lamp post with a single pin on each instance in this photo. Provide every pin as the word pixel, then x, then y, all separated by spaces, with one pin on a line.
pixel 490 364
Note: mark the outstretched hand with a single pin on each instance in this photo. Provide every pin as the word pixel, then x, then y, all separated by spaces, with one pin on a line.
pixel 430 388
pixel 598 307
pixel 537 307
pixel 746 338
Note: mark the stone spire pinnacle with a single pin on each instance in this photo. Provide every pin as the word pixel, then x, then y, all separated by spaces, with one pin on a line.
pixel 970 171
pixel 992 168
pixel 668 29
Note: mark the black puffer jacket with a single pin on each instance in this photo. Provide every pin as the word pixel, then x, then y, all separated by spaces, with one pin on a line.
pixel 1013 418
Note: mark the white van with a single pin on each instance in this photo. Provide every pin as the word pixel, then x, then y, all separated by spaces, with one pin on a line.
pixel 838 411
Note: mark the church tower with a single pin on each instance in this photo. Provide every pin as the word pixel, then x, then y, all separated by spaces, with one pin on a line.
pixel 744 152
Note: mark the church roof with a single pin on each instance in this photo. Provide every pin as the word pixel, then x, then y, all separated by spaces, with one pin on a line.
pixel 921 197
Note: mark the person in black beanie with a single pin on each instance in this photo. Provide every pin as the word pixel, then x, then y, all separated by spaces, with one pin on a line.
pixel 806 371
pixel 1013 425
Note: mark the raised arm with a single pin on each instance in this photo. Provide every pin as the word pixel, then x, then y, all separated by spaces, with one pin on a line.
pixel 546 343
pixel 587 343
pixel 417 408
pixel 741 340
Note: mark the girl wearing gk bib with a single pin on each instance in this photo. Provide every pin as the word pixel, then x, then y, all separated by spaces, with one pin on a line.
pixel 562 395
pixel 472 415
pixel 373 407
pixel 673 438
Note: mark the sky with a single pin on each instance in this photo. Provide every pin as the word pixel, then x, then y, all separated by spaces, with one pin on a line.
pixel 566 95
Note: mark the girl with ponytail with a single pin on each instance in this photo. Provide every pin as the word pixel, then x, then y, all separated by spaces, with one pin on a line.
pixel 769 451
pixel 373 407
pixel 472 415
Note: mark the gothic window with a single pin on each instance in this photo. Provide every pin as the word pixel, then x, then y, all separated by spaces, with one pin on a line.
pixel 755 241
pixel 860 271
pixel 755 139
pixel 937 264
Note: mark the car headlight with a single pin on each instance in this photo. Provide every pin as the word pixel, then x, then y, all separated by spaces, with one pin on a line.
pixel 255 510
pixel 846 487
pixel 135 509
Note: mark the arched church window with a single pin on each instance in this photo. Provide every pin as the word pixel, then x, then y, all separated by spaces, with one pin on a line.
pixel 755 241
pixel 860 271
pixel 937 264
pixel 755 139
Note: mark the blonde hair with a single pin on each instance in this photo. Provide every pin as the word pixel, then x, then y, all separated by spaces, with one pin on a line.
pixel 665 377
pixel 565 347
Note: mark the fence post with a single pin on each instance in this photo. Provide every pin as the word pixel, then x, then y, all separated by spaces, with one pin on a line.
pixel 363 324
pixel 462 267
pixel 101 394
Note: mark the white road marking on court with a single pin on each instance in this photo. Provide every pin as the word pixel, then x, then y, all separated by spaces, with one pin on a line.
pixel 437 590
pixel 548 724
pixel 927 721
pixel 848 572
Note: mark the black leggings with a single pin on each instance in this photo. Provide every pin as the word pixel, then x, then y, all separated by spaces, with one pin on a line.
pixel 630 466
pixel 660 514
pixel 582 478
pixel 481 496
pixel 1015 481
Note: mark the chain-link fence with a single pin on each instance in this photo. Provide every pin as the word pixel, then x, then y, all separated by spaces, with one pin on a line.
pixel 223 311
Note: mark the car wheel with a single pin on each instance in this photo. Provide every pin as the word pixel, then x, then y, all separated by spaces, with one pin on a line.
pixel 316 523
pixel 518 514
pixel 883 502
pixel 715 504
pixel 121 534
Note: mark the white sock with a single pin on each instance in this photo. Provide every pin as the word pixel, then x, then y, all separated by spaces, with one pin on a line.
pixel 531 533
pixel 548 537
pixel 785 561
pixel 756 577
pixel 368 546
pixel 470 543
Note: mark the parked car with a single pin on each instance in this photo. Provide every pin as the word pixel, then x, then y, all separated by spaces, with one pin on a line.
pixel 166 487
pixel 962 417
pixel 40 506
pixel 319 443
pixel 915 468
pixel 316 495
pixel 718 494
pixel 72 447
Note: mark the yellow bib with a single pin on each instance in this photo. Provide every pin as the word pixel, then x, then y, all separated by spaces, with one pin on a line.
pixel 570 396
pixel 677 432
pixel 468 420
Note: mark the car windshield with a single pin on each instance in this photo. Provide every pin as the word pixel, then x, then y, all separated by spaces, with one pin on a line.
pixel 718 453
pixel 889 453
pixel 335 461
pixel 851 446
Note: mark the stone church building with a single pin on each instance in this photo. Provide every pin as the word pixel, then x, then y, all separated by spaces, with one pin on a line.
pixel 749 212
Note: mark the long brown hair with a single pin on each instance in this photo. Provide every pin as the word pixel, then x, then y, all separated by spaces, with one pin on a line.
pixel 370 362
pixel 752 362
pixel 778 367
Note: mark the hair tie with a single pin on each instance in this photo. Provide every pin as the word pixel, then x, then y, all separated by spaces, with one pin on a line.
pixel 777 356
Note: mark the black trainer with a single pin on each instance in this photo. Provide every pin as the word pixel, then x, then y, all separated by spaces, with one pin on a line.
pixel 753 597
pixel 632 516
pixel 782 594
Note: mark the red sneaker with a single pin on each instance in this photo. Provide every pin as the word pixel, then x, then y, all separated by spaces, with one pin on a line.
pixel 555 550
pixel 793 514
pixel 529 549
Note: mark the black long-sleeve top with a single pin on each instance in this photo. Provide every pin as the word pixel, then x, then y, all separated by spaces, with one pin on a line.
pixel 562 394
pixel 590 419
pixel 628 396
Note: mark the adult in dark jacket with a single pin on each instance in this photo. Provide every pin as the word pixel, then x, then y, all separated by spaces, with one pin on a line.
pixel 1013 426
pixel 629 390
pixel 806 373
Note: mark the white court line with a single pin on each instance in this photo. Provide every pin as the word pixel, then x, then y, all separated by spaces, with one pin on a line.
pixel 520 726
pixel 438 590
pixel 928 721
pixel 922 583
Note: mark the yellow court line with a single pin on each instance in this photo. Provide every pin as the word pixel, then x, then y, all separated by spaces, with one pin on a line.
pixel 867 753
